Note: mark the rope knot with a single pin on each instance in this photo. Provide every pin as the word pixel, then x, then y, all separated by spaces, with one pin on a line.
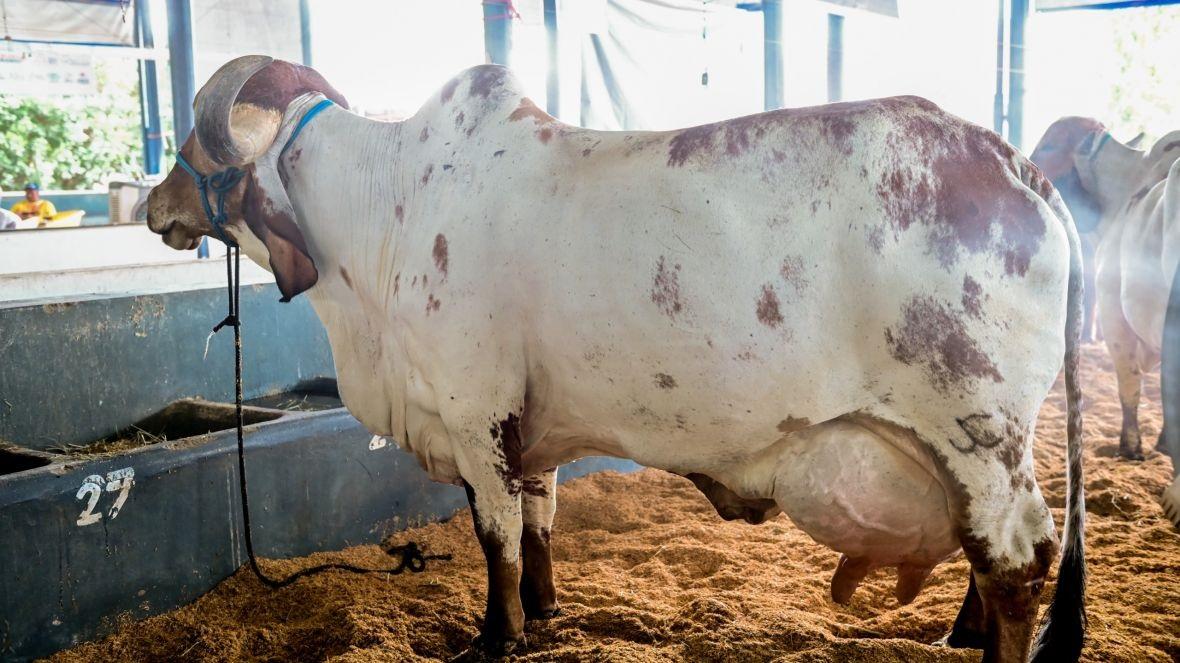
pixel 411 558
pixel 230 320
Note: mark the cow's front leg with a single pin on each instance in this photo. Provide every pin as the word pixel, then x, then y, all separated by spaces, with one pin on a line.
pixel 493 483
pixel 539 503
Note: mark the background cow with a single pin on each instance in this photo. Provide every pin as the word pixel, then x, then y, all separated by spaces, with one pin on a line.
pixel 1128 199
pixel 854 311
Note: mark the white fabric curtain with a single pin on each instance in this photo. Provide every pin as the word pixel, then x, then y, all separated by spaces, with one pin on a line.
pixel 664 64
pixel 69 21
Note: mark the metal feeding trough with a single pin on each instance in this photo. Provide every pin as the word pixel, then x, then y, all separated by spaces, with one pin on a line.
pixel 148 518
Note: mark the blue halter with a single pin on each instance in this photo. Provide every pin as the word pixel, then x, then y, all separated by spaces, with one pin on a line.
pixel 223 181
pixel 1101 142
pixel 220 183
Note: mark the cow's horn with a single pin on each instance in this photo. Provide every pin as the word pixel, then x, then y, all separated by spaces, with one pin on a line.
pixel 1137 141
pixel 214 110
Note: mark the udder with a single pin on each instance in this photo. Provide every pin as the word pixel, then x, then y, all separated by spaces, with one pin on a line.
pixel 858 494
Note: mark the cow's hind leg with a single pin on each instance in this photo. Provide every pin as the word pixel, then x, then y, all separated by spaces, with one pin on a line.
pixel 970 628
pixel 1123 346
pixel 539 502
pixel 1007 534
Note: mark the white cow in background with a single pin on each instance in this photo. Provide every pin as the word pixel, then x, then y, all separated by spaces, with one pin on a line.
pixel 1132 199
pixel 851 312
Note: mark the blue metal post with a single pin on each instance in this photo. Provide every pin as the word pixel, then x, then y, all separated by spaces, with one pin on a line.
pixel 772 57
pixel 552 87
pixel 184 83
pixel 149 95
pixel 305 30
pixel 497 30
pixel 998 103
pixel 1016 73
pixel 180 57
pixel 835 57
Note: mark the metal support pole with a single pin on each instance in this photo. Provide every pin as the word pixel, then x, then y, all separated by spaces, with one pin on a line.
pixel 497 30
pixel 998 106
pixel 180 52
pixel 835 57
pixel 305 30
pixel 772 56
pixel 149 94
pixel 552 88
pixel 184 84
pixel 1016 73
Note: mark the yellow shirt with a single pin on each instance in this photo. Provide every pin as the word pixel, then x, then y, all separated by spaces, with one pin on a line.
pixel 41 208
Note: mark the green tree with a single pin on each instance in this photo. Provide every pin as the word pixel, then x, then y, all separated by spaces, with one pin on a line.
pixel 71 143
pixel 1147 44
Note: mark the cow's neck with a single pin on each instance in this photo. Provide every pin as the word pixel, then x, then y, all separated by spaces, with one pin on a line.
pixel 344 176
pixel 1114 172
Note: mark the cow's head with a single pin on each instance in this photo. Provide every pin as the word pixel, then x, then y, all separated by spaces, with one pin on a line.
pixel 238 115
pixel 1063 155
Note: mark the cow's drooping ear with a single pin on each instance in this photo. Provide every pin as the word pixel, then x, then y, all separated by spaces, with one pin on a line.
pixel 271 217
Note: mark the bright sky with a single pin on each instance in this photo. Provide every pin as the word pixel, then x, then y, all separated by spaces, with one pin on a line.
pixel 389 56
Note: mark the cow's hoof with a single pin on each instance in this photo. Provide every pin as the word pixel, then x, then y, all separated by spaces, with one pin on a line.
pixel 484 648
pixel 961 639
pixel 1171 502
pixel 532 614
pixel 1130 454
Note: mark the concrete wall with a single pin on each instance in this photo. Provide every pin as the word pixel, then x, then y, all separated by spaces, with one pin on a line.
pixel 77 284
pixel 75 371
pixel 59 249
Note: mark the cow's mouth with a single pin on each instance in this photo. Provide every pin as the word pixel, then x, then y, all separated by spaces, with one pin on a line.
pixel 175 237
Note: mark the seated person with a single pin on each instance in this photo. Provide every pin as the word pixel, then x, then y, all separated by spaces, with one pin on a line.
pixel 33 206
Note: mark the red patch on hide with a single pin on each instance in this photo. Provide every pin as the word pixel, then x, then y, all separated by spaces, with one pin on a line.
pixel 930 335
pixel 440 253
pixel 665 290
pixel 767 308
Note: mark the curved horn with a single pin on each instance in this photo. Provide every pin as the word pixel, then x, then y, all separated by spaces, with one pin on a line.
pixel 1137 141
pixel 214 108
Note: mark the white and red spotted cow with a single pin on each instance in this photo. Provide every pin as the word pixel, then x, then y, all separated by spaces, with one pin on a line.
pixel 850 312
pixel 1132 200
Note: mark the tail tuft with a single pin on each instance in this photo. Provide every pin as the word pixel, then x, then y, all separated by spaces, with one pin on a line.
pixel 1064 628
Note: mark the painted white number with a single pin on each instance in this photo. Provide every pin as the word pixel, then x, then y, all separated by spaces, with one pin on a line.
pixel 117 481
pixel 91 487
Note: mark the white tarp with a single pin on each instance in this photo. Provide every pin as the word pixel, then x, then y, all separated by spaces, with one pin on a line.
pixel 68 21
pixel 664 64
pixel 225 29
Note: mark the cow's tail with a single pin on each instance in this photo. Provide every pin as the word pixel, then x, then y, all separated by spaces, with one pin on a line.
pixel 1064 626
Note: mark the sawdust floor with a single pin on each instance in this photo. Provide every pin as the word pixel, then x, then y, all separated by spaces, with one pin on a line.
pixel 647 572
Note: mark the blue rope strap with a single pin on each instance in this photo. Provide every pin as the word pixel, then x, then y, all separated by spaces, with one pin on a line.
pixel 219 184
pixel 303 122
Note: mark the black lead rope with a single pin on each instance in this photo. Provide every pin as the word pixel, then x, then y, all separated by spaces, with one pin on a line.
pixel 412 558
